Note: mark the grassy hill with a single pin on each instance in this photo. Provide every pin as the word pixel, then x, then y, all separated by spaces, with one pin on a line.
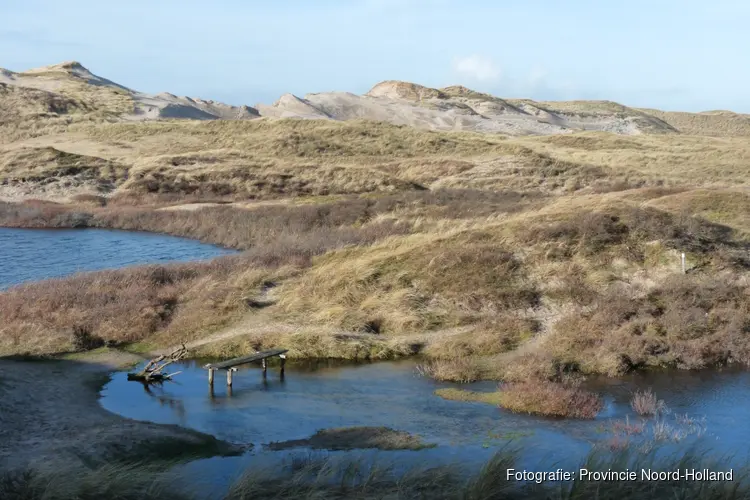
pixel 495 256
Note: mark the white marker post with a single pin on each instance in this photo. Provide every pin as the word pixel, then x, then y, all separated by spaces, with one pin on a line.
pixel 684 269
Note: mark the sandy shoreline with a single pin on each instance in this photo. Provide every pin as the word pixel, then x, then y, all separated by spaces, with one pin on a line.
pixel 50 413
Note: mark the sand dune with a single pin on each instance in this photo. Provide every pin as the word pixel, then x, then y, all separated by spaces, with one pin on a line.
pixel 401 103
pixel 460 108
pixel 72 78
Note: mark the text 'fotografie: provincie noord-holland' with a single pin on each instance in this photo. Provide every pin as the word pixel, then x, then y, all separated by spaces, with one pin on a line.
pixel 626 475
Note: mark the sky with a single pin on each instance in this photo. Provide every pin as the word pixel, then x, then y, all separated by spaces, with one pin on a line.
pixel 689 55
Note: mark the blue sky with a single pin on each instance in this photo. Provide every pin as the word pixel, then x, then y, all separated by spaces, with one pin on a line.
pixel 672 54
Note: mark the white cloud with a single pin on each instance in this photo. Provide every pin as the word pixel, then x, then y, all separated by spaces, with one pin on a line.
pixel 477 68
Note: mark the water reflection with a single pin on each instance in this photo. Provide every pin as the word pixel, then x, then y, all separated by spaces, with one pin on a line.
pixel 318 395
pixel 226 392
pixel 157 392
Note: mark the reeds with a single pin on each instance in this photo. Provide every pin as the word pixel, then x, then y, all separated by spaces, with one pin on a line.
pixel 646 404
pixel 343 477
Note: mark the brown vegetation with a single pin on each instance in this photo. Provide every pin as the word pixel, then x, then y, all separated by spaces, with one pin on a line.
pixel 646 404
pixel 688 321
pixel 123 306
pixel 509 258
pixel 470 396
pixel 457 368
pixel 535 397
pixel 549 399
pixel 178 301
pixel 350 438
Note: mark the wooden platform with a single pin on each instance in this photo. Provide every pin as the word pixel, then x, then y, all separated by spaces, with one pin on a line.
pixel 231 365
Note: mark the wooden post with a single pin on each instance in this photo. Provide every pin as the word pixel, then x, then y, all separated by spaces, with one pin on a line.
pixel 229 376
pixel 265 366
pixel 211 377
pixel 283 362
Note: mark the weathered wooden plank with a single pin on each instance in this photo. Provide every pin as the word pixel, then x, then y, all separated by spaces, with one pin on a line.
pixel 247 359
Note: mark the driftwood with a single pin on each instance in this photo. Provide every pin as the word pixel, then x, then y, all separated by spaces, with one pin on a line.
pixel 154 370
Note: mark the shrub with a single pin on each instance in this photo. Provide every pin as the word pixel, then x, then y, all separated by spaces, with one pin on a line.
pixel 646 404
pixel 84 339
pixel 687 321
pixel 553 399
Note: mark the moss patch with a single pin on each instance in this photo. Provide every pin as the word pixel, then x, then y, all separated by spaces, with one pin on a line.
pixel 352 438
pixel 493 398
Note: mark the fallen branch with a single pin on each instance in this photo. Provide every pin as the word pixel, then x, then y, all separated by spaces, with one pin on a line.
pixel 154 369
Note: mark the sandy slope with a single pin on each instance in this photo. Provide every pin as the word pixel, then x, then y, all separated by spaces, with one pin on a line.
pixel 70 77
pixel 459 108
pixel 402 103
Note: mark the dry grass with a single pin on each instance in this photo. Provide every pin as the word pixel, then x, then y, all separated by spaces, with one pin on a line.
pixel 646 404
pixel 311 342
pixel 552 399
pixel 409 284
pixel 316 228
pixel 456 369
pixel 722 206
pixel 667 160
pixel 25 169
pixel 266 159
pixel 262 159
pixel 535 397
pixel 492 335
pixel 331 477
pixel 493 398
pixel 351 438
pixel 719 123
pixel 361 272
pixel 126 306
pixel 175 302
pixel 550 254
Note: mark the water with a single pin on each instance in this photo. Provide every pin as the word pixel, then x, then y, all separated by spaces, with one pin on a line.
pixel 316 396
pixel 391 394
pixel 36 254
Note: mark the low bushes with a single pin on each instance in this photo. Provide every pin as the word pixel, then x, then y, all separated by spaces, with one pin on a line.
pixel 552 399
pixel 646 404
pixel 128 305
pixel 535 397
pixel 689 322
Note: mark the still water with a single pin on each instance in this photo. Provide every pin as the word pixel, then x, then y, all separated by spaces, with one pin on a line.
pixel 311 397
pixel 36 254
